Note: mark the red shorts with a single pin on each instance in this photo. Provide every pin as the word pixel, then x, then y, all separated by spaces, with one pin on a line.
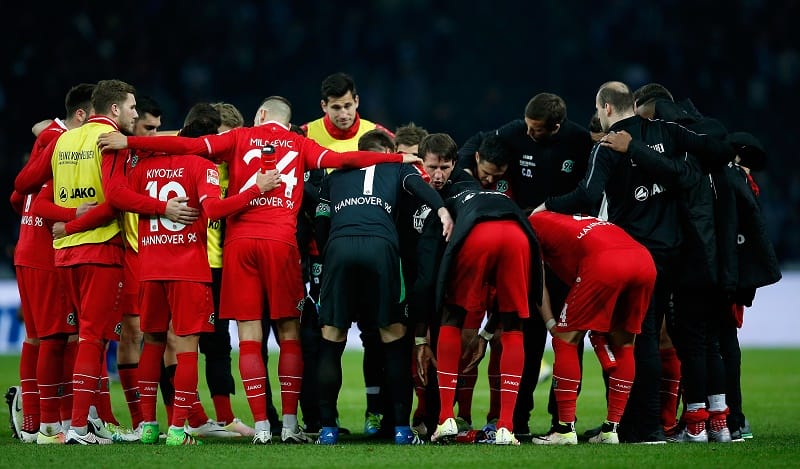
pixel 256 272
pixel 44 303
pixel 130 283
pixel 484 264
pixel 612 292
pixel 187 304
pixel 96 292
pixel 474 321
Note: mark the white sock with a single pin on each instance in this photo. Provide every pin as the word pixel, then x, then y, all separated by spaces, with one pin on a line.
pixel 716 403
pixel 289 421
pixel 263 425
pixel 82 431
pixel 695 406
pixel 49 429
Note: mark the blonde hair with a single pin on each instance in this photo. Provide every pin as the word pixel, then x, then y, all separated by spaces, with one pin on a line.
pixel 229 115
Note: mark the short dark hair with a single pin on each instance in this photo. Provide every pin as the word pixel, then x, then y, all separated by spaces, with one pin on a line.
pixel 617 94
pixel 109 92
pixel 651 92
pixel 441 145
pixel 594 124
pixel 79 97
pixel 147 104
pixel 337 85
pixel 297 129
pixel 376 140
pixel 547 107
pixel 409 135
pixel 202 119
pixel 494 150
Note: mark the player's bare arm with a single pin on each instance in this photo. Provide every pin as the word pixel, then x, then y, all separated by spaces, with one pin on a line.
pixel 447 223
pixel 411 159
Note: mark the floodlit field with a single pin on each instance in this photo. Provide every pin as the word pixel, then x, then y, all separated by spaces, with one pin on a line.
pixel 772 404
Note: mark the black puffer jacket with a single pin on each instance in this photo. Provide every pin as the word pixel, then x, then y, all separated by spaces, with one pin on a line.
pixel 725 240
pixel 757 265
pixel 705 261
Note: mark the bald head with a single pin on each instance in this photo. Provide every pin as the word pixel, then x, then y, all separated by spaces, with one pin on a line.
pixel 614 102
pixel 274 108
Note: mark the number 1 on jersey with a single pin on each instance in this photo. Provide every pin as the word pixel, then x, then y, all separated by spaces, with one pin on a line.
pixel 369 179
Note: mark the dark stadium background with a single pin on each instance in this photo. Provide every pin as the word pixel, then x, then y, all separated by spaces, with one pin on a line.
pixel 449 66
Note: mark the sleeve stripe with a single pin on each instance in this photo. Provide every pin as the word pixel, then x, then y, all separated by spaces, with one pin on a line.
pixel 593 158
pixel 319 158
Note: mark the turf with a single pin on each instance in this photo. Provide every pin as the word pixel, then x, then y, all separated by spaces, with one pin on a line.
pixel 771 391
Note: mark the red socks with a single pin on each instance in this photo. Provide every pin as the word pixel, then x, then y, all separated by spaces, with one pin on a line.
pixel 620 381
pixel 511 364
pixel 448 355
pixel 28 387
pixel 670 386
pixel 254 378
pixel 88 363
pixel 566 378
pixel 290 375
pixel 49 373
pixel 70 354
pixel 103 397
pixel 185 388
pixel 129 381
pixel 149 372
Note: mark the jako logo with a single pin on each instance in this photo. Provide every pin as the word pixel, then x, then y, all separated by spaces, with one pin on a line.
pixel 641 193
pixel 82 193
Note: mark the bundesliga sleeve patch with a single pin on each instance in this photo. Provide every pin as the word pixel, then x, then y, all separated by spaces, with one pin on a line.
pixel 212 176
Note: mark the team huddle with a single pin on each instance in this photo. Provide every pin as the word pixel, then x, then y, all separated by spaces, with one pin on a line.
pixel 643 231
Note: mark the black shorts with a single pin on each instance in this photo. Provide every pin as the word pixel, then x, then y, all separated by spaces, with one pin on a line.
pixel 361 281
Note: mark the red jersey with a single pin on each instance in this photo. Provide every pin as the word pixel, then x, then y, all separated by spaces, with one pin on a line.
pixel 170 250
pixel 35 245
pixel 272 215
pixel 567 239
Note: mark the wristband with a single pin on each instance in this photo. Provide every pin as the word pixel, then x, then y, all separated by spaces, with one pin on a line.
pixel 486 335
pixel 420 341
pixel 550 324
